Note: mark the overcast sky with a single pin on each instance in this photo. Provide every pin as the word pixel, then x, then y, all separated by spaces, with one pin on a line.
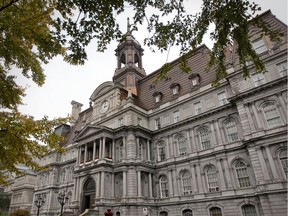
pixel 65 83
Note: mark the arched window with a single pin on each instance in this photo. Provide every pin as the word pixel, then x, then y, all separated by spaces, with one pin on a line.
pixel 231 130
pixel 284 161
pixel 249 210
pixel 63 176
pixel 161 152
pixel 271 115
pixel 186 182
pixel 187 212
pixel 121 151
pixel 118 213
pixel 163 186
pixel 182 145
pixel 163 213
pixel 212 180
pixel 242 174
pixel 215 211
pixel 204 138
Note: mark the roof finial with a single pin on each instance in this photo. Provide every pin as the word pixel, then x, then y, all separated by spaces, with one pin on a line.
pixel 128 25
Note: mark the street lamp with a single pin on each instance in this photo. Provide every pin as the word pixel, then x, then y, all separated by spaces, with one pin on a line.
pixel 62 199
pixel 39 202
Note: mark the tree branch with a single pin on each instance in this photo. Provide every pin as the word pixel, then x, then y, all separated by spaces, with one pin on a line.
pixel 8 5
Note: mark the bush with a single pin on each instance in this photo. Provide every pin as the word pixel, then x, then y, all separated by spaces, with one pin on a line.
pixel 20 212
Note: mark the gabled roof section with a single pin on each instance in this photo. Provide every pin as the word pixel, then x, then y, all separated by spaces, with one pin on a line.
pixel 101 89
pixel 90 130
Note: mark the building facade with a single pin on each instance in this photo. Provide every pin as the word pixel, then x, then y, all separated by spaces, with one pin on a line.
pixel 179 146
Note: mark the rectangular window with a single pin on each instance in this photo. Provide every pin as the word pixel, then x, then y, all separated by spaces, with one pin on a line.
pixel 139 121
pixel 120 122
pixel 282 68
pixel 258 79
pixel 161 153
pixel 272 116
pixel 157 124
pixel 259 46
pixel 232 133
pixel 176 116
pixel 222 98
pixel 198 108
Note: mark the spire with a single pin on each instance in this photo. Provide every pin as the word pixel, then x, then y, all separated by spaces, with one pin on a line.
pixel 128 25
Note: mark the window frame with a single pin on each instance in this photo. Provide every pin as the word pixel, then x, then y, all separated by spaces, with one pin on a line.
pixel 258 44
pixel 222 97
pixel 182 145
pixel 269 107
pixel 249 213
pixel 164 190
pixel 186 181
pixel 258 79
pixel 283 160
pixel 282 68
pixel 198 108
pixel 243 181
pixel 231 130
pixel 213 213
pixel 176 116
pixel 204 138
pixel 212 178
pixel 161 152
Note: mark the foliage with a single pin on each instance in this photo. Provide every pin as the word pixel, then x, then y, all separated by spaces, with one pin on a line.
pixel 20 212
pixel 34 31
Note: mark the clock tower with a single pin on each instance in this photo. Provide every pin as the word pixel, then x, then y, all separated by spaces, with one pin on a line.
pixel 129 62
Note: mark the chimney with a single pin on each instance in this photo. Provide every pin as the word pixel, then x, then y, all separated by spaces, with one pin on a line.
pixel 76 109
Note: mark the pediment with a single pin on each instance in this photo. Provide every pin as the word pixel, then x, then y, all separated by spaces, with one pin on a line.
pixel 88 131
pixel 104 87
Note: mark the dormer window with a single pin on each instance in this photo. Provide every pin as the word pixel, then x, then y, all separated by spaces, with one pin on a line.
pixel 157 96
pixel 259 46
pixel 175 88
pixel 195 79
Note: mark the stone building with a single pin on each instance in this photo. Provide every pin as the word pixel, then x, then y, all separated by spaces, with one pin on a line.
pixel 180 146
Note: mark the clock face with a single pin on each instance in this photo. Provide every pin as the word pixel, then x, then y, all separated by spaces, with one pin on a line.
pixel 104 107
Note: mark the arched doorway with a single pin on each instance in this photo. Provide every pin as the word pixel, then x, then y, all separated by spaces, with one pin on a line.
pixel 88 194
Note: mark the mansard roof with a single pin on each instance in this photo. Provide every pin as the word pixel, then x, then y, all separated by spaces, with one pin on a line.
pixel 198 61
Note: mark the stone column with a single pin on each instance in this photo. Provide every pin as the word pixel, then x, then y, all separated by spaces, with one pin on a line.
pixel 94 150
pixel 199 180
pixel 102 183
pixel 77 189
pixel 263 164
pixel 124 183
pixel 100 148
pixel 188 141
pixel 167 147
pixel 221 175
pixel 113 149
pixel 138 148
pixel 272 163
pixel 85 154
pixel 220 139
pixel 170 182
pixel 194 179
pixel 98 185
pixel 124 147
pixel 193 141
pixel 255 111
pixel 176 179
pixel 104 147
pixel 282 106
pixel 227 173
pixel 148 150
pixel 213 136
pixel 139 183
pixel 150 185
pixel 113 185
pixel 74 189
pixel 79 155
pixel 250 118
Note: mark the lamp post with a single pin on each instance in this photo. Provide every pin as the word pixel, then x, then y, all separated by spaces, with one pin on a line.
pixel 62 199
pixel 39 202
